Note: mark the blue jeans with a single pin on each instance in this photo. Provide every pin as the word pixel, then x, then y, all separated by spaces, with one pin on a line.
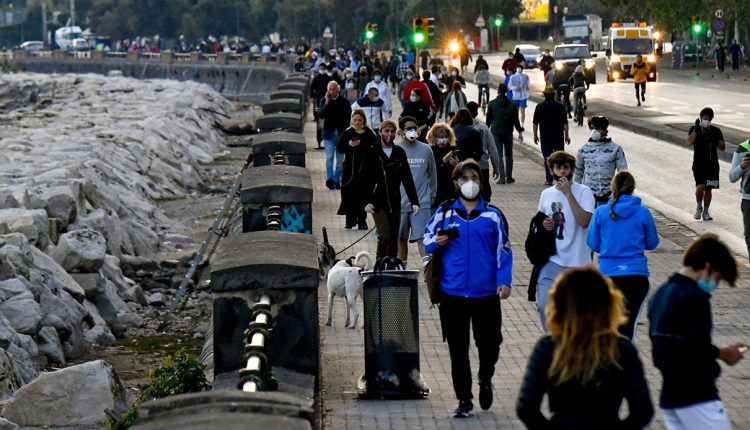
pixel 547 277
pixel 329 143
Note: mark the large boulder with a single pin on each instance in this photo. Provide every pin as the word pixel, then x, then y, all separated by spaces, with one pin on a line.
pixel 33 224
pixel 100 335
pixel 60 278
pixel 49 345
pixel 10 379
pixel 63 202
pixel 109 225
pixel 24 313
pixel 75 396
pixel 81 251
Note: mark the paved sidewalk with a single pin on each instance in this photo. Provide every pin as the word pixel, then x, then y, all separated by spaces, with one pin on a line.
pixel 342 355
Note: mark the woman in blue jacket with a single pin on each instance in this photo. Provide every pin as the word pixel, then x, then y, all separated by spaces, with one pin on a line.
pixel 475 274
pixel 620 232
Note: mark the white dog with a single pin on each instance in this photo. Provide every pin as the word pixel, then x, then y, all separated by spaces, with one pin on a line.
pixel 344 280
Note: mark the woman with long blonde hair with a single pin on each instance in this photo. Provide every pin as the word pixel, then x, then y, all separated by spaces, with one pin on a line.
pixel 584 366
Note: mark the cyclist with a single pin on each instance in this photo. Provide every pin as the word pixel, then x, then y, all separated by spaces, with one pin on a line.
pixel 482 80
pixel 579 84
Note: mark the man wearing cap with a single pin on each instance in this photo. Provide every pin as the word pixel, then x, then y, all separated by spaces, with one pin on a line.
pixel 550 128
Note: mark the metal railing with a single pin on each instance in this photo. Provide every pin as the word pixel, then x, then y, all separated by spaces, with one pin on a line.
pixel 257 376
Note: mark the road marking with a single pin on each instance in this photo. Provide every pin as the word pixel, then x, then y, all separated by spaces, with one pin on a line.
pixel 673 101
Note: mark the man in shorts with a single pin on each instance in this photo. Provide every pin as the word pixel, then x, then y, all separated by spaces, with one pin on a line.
pixel 424 171
pixel 519 84
pixel 705 139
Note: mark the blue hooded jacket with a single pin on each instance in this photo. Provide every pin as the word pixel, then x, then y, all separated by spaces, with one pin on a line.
pixel 621 243
pixel 479 260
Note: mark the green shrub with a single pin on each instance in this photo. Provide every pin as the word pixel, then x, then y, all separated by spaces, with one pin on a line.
pixel 181 373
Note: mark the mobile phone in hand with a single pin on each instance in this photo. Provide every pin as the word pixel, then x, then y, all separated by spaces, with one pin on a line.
pixel 743 348
pixel 452 232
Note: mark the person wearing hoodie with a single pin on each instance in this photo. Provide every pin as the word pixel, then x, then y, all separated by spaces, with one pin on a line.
pixel 382 86
pixel 502 117
pixel 598 160
pixel 475 276
pixel 620 232
pixel 519 84
pixel 374 107
pixel 741 170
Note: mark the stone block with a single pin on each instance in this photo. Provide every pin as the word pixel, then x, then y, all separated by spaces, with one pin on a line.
pixel 288 94
pixel 279 121
pixel 289 187
pixel 282 105
pixel 291 145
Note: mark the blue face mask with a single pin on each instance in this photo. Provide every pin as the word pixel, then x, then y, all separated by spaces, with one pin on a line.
pixel 707 286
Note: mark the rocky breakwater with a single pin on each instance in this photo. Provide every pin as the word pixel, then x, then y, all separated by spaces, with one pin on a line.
pixel 82 161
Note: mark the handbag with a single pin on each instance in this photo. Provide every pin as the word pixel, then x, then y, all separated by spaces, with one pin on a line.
pixel 433 266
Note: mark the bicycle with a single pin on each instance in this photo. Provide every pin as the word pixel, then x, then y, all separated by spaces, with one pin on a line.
pixel 484 95
pixel 578 95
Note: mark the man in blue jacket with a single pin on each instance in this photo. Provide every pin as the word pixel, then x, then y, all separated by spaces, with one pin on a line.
pixel 476 269
pixel 680 331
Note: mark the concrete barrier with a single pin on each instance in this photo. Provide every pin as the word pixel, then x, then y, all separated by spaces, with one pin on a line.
pixel 288 187
pixel 282 105
pixel 288 94
pixel 283 266
pixel 280 121
pixel 291 146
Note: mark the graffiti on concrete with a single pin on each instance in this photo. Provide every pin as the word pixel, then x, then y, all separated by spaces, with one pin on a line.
pixel 293 220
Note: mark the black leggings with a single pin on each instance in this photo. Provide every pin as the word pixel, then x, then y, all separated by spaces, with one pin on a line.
pixel 640 86
pixel 635 289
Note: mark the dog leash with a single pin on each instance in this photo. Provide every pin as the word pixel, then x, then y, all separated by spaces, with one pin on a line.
pixel 355 242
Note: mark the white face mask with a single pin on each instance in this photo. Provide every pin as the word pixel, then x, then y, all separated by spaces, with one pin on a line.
pixel 322 71
pixel 374 98
pixel 519 71
pixel 377 78
pixel 454 73
pixel 413 98
pixel 348 75
pixel 595 134
pixel 350 85
pixel 470 190
pixel 705 123
pixel 412 134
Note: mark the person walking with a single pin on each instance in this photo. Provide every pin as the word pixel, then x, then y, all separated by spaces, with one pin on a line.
pixel 454 76
pixel 583 366
pixel 598 160
pixel 680 329
pixel 468 137
pixel 502 118
pixel 454 100
pixel 435 92
pixel 335 112
pixel 519 84
pixel 382 86
pixel 569 207
pixel 550 126
pixel 721 57
pixel 374 107
pixel 415 84
pixel 350 90
pixel 739 170
pixel 621 232
pixel 418 109
pixel 640 71
pixel 385 169
pixel 706 140
pixel 489 152
pixel 735 52
pixel 318 90
pixel 476 270
pixel 424 172
pixel 354 143
pixel 442 140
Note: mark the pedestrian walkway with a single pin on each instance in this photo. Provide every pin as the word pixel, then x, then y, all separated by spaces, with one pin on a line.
pixel 342 355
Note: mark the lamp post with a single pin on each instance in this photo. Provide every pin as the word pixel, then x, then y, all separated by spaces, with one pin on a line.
pixel 554 27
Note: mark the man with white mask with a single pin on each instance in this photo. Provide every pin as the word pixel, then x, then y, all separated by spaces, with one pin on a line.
pixel 424 172
pixel 598 160
pixel 382 86
pixel 519 85
pixel 476 265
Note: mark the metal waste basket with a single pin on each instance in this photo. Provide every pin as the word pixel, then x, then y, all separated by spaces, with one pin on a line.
pixel 391 320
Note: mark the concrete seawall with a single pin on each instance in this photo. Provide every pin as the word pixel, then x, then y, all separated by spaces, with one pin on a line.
pixel 240 82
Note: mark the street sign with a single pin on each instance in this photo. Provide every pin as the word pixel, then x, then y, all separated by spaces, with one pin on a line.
pixel 327 33
pixel 719 14
pixel 480 22
pixel 719 25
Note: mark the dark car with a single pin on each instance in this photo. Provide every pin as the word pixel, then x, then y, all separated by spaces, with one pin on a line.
pixel 569 56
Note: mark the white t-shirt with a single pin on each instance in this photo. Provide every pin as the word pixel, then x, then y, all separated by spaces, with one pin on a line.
pixel 572 250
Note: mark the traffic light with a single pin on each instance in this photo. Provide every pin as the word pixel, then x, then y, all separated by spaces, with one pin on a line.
pixel 697 24
pixel 371 30
pixel 430 28
pixel 499 21
pixel 421 30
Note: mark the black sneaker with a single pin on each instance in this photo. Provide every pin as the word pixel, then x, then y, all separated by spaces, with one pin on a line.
pixel 510 180
pixel 362 226
pixel 337 185
pixel 465 409
pixel 485 395
pixel 329 184
pixel 643 97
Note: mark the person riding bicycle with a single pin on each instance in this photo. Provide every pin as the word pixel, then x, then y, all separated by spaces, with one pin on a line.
pixel 562 91
pixel 482 80
pixel 579 85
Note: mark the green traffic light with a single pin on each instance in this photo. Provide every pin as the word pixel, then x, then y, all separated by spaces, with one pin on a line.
pixel 697 28
pixel 418 37
pixel 498 22
pixel 369 34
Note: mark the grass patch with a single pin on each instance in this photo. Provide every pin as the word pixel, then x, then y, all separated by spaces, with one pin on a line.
pixel 209 217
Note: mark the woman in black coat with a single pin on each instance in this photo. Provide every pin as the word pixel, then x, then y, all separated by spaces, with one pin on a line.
pixel 468 137
pixel 354 143
pixel 443 143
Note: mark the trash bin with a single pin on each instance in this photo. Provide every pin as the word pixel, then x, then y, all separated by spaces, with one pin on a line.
pixel 391 320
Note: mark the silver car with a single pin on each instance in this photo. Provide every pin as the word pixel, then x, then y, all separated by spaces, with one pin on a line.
pixel 530 54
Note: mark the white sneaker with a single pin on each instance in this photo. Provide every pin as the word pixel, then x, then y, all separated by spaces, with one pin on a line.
pixel 707 216
pixel 425 260
pixel 698 212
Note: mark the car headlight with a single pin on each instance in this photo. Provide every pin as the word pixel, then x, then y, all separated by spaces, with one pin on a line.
pixel 615 58
pixel 559 66
pixel 651 58
pixel 589 64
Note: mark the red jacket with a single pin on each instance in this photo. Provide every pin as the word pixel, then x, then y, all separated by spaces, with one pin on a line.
pixel 426 97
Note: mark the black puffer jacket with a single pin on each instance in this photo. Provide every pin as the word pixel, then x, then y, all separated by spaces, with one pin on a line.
pixel 382 177
pixel 585 407
pixel 469 141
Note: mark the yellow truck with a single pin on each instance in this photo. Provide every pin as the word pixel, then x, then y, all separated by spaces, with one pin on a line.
pixel 626 41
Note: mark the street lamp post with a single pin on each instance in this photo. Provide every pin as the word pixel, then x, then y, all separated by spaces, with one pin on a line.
pixel 554 27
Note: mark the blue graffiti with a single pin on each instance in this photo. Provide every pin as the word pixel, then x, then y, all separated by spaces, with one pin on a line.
pixel 292 220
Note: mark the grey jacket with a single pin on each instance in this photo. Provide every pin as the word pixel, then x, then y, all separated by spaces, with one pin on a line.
pixel 490 150
pixel 424 171
pixel 736 172
pixel 596 164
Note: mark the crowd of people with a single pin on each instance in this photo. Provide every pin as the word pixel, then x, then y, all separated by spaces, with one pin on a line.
pixel 425 178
